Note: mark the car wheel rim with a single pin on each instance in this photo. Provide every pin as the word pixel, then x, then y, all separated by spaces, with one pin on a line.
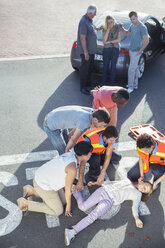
pixel 141 66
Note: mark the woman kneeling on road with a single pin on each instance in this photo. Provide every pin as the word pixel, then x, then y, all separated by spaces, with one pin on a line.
pixel 110 193
pixel 51 178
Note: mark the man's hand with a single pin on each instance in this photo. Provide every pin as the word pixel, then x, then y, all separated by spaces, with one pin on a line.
pixel 86 56
pixel 139 223
pixel 67 211
pixel 100 179
pixel 79 186
pixel 138 53
pixel 140 179
pixel 90 183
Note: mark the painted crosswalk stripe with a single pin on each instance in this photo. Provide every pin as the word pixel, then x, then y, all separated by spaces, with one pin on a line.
pixel 47 155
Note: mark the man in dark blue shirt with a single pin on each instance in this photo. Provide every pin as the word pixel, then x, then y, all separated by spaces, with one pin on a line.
pixel 86 47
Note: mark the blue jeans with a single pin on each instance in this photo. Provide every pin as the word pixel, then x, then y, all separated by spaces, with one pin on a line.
pixel 157 170
pixel 110 54
pixel 58 138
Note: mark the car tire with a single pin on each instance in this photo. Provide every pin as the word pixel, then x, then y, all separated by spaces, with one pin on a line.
pixel 141 66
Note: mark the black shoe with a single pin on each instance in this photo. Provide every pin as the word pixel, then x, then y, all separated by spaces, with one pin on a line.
pixel 85 91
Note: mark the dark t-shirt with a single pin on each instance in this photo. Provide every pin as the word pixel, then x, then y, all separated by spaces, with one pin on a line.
pixel 87 28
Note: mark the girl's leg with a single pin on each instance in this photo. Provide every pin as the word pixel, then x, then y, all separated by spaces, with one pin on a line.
pixel 93 199
pixel 104 203
pixel 106 60
pixel 114 58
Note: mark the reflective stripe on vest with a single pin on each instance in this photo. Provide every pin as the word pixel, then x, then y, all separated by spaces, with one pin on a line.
pixel 94 136
pixel 158 158
pixel 145 157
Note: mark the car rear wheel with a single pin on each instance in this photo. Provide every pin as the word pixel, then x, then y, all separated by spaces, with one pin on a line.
pixel 141 66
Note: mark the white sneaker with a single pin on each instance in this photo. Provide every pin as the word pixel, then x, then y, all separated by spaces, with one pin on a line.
pixel 130 90
pixel 69 236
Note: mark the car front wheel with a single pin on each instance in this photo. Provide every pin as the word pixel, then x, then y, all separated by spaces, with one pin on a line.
pixel 141 66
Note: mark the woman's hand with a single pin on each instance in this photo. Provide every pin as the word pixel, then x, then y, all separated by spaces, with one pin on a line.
pixel 139 223
pixel 67 211
pixel 91 183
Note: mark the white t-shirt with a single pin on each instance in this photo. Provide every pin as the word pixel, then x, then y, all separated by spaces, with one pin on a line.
pixel 51 175
pixel 124 190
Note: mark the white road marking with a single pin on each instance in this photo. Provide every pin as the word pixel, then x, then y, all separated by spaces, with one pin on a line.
pixel 8 179
pixel 30 172
pixel 47 155
pixel 27 157
pixel 52 221
pixel 14 217
pixel 36 57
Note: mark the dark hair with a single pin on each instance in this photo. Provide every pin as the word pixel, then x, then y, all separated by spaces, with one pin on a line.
pixel 145 140
pixel 102 115
pixel 132 13
pixel 83 148
pixel 110 131
pixel 123 93
pixel 145 196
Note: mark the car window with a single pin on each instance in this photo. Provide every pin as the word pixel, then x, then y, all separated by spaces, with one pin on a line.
pixel 151 25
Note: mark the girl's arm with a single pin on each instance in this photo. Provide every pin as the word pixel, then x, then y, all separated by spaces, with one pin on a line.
pixel 136 197
pixel 70 176
pixel 105 37
pixel 118 39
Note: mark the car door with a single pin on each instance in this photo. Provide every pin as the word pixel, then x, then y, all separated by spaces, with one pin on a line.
pixel 162 36
pixel 154 30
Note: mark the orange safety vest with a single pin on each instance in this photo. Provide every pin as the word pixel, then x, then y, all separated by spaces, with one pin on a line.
pixel 93 135
pixel 158 158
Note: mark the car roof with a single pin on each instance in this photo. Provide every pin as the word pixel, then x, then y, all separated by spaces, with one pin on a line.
pixel 120 16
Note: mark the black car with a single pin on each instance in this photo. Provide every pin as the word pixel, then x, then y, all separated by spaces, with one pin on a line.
pixel 156 44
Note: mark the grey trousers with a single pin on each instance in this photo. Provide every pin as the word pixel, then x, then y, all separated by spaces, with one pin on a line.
pixel 133 72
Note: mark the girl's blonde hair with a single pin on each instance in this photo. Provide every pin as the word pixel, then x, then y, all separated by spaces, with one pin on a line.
pixel 109 17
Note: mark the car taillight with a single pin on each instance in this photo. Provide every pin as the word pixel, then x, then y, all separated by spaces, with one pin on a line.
pixel 75 44
pixel 124 52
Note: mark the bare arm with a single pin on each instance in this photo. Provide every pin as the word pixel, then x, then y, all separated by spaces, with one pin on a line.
pixel 108 156
pixel 158 180
pixel 70 176
pixel 141 169
pixel 80 184
pixel 118 39
pixel 105 36
pixel 71 133
pixel 145 43
pixel 84 45
pixel 125 31
pixel 73 139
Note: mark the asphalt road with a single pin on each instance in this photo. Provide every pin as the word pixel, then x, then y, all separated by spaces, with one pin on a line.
pixel 49 27
pixel 28 91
